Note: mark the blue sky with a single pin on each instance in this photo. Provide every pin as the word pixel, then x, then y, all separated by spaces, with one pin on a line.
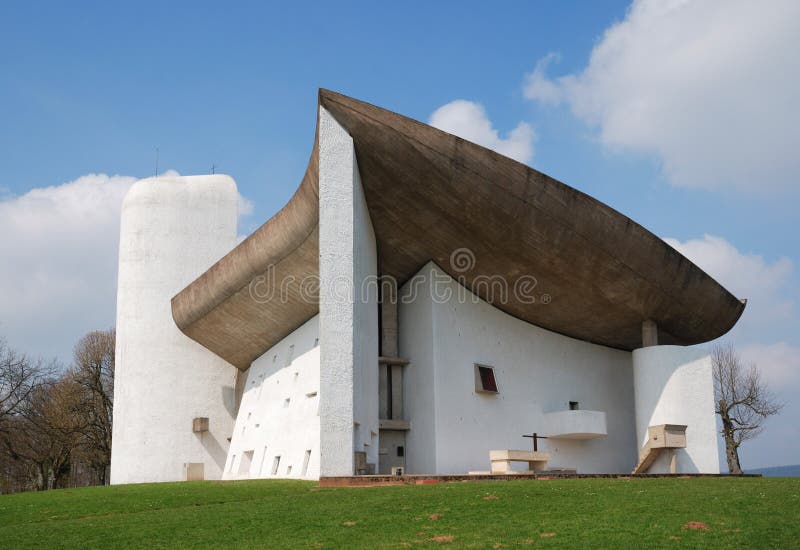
pixel 680 115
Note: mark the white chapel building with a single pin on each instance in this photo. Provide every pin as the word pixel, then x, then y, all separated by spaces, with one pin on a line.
pixel 418 306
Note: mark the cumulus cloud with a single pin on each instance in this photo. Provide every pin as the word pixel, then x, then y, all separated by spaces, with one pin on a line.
pixel 779 362
pixel 766 285
pixel 468 120
pixel 708 86
pixel 58 262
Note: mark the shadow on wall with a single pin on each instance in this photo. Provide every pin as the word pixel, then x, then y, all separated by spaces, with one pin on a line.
pixel 217 453
pixel 685 397
pixel 229 400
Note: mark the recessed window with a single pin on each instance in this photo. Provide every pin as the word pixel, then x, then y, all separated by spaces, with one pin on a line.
pixel 286 402
pixel 263 458
pixel 401 450
pixel 484 379
pixel 288 469
pixel 245 463
pixel 306 459
pixel 290 355
pixel 574 406
pixel 275 464
pixel 233 460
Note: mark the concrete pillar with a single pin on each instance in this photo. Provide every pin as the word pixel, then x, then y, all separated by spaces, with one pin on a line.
pixel 389 317
pixel 389 344
pixel 649 333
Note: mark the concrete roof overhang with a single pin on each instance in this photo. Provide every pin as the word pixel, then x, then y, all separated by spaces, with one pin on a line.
pixel 429 194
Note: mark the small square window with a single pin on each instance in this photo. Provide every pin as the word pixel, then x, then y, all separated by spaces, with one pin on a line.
pixel 484 379
pixel 574 406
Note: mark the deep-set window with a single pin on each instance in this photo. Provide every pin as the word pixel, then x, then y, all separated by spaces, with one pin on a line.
pixel 484 379
pixel 574 406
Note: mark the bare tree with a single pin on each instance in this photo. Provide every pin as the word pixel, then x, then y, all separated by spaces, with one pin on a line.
pixel 743 401
pixel 93 373
pixel 45 433
pixel 19 377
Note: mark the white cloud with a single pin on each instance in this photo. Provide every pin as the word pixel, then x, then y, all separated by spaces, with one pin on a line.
pixel 468 120
pixel 708 86
pixel 779 363
pixel 58 262
pixel 766 285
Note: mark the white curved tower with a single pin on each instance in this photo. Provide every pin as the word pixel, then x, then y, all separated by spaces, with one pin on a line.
pixel 674 385
pixel 172 229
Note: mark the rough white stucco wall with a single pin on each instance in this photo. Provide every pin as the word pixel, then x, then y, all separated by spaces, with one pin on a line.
pixel 537 372
pixel 348 316
pixel 279 412
pixel 172 230
pixel 674 385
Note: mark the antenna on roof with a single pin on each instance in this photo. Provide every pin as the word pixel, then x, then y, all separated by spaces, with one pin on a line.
pixel 213 168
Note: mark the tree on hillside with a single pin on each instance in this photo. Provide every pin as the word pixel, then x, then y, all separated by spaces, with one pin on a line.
pixel 45 432
pixel 93 373
pixel 19 377
pixel 743 401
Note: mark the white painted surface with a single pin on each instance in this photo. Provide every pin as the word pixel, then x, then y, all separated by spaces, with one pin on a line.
pixel 348 316
pixel 576 424
pixel 537 371
pixel 674 385
pixel 172 230
pixel 279 411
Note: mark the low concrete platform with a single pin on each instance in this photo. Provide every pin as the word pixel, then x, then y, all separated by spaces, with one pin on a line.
pixel 423 479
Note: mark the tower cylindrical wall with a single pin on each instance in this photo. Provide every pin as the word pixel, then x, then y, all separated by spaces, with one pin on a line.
pixel 171 230
pixel 674 385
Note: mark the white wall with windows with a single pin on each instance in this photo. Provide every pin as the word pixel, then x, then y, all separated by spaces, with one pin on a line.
pixel 446 331
pixel 277 431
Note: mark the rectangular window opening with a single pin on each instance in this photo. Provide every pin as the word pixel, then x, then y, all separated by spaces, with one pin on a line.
pixel 484 379
pixel 275 465
pixel 401 450
pixel 306 459
pixel 574 405
pixel 245 463
pixel 290 355
pixel 263 458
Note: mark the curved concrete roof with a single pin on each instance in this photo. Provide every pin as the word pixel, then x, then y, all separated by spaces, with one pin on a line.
pixel 430 193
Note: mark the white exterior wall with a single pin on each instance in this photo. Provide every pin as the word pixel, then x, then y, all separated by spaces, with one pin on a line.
pixel 172 230
pixel 537 372
pixel 268 425
pixel 674 385
pixel 348 308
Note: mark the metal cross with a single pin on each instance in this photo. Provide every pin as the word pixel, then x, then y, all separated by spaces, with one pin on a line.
pixel 536 437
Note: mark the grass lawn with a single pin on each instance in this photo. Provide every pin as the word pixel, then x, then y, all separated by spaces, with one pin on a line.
pixel 720 512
